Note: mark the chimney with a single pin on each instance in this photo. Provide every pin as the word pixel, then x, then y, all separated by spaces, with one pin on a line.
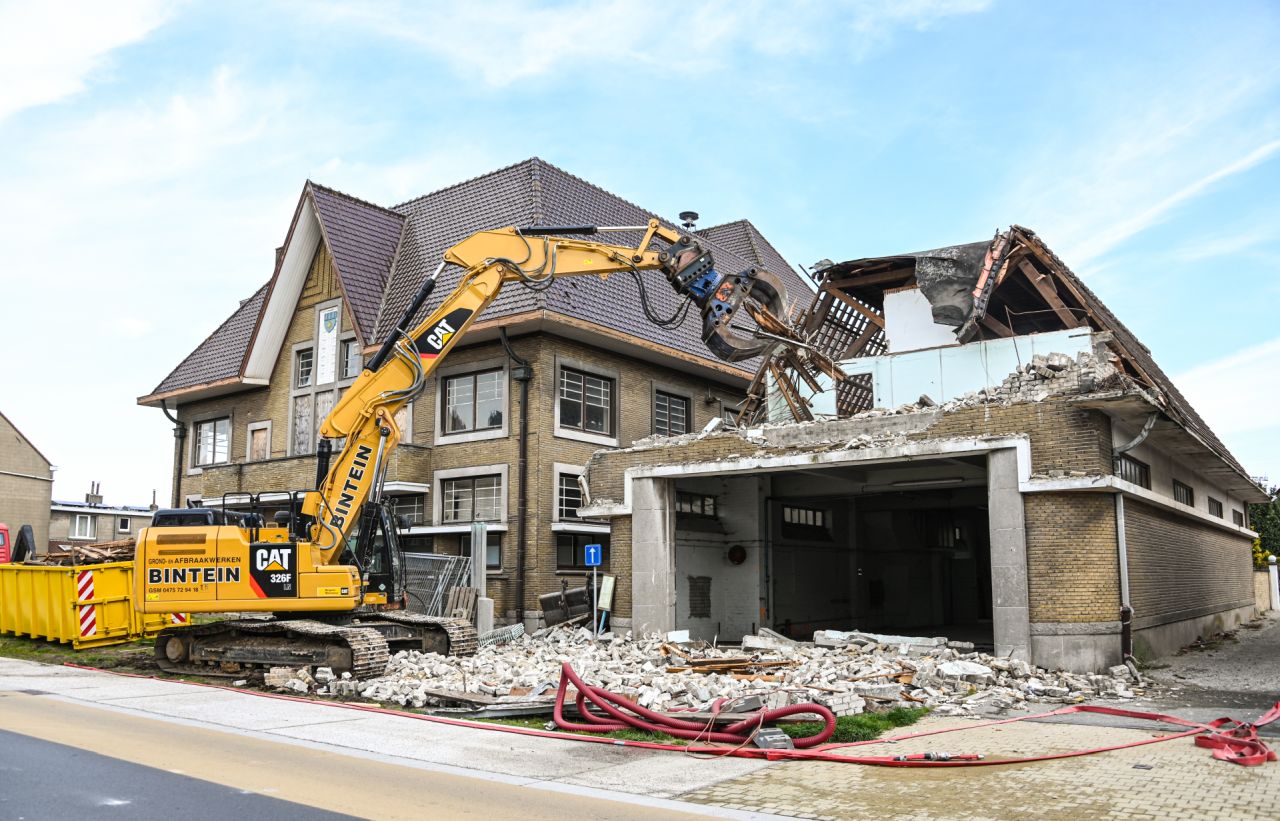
pixel 94 496
pixel 154 506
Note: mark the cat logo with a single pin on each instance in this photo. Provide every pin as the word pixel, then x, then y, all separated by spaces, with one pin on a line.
pixel 272 559
pixel 440 334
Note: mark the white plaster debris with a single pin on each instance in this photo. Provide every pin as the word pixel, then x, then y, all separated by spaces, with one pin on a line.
pixel 858 676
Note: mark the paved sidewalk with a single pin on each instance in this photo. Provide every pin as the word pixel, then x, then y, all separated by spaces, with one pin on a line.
pixel 1182 782
pixel 618 773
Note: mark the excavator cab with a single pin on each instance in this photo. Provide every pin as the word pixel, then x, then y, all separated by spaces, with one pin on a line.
pixel 374 547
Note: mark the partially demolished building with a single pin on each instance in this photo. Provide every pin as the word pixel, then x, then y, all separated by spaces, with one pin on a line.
pixel 997 459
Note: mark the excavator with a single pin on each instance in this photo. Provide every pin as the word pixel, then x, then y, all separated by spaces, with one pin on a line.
pixel 327 573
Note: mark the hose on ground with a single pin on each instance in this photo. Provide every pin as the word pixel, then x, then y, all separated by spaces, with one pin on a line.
pixel 626 714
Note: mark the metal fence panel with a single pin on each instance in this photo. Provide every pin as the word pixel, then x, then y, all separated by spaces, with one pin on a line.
pixel 430 577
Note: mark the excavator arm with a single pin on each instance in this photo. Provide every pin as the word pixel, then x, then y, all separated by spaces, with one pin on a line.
pixel 365 414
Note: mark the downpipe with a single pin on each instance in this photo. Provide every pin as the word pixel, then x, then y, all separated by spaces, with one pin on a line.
pixel 1126 609
pixel 522 373
pixel 179 442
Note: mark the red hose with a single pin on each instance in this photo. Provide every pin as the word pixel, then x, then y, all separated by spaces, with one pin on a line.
pixel 628 714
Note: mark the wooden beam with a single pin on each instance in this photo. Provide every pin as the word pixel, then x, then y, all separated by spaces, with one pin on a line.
pixel 861 342
pixel 871 315
pixel 1047 292
pixel 993 324
pixel 871 279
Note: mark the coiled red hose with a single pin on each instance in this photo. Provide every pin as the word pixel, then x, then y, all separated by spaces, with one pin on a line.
pixel 627 714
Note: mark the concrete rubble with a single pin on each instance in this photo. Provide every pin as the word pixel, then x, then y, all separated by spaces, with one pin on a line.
pixel 855 672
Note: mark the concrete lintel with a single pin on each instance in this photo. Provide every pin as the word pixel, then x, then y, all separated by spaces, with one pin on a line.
pixel 1084 628
pixel 924 449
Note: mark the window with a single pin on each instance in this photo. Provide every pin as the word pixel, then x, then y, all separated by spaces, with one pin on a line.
pixel 122 524
pixel 473 499
pixel 696 504
pixel 213 441
pixel 259 441
pixel 304 362
pixel 413 508
pixel 571 550
pixel 83 527
pixel 1237 518
pixel 586 402
pixel 1184 493
pixel 810 523
pixel 352 359
pixel 1215 507
pixel 473 401
pixel 729 413
pixel 568 496
pixel 1131 470
pixel 492 549
pixel 670 414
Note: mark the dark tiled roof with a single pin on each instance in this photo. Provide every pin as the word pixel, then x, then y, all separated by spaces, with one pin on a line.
pixel 537 193
pixel 745 240
pixel 362 238
pixel 383 255
pixel 220 355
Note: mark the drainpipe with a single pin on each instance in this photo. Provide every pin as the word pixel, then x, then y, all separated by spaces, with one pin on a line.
pixel 1126 608
pixel 179 442
pixel 522 372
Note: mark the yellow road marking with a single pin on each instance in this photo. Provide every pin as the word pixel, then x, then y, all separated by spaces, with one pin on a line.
pixel 317 778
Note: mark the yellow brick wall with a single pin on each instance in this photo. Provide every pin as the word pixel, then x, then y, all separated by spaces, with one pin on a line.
pixel 1071 557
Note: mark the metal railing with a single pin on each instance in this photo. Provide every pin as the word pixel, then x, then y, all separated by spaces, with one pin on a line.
pixel 430 576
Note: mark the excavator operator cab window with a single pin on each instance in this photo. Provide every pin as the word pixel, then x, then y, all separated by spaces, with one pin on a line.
pixel 373 540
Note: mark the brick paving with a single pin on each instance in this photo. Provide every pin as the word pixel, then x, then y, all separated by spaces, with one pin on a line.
pixel 1183 781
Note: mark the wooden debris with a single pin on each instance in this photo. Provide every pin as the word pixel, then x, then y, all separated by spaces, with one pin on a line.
pixel 121 550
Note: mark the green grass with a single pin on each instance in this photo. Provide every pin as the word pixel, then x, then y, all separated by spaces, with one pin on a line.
pixel 862 727
pixel 130 654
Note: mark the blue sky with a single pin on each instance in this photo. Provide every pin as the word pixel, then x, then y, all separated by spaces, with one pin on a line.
pixel 151 155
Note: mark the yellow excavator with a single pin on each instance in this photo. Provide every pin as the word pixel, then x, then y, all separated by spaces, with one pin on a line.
pixel 328 569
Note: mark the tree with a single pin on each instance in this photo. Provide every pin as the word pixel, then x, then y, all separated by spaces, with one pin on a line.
pixel 1265 520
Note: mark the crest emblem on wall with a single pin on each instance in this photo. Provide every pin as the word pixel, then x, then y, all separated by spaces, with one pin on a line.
pixel 330 321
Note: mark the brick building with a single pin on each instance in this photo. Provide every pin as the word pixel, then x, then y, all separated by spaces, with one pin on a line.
pixel 26 483
pixel 247 401
pixel 1004 462
pixel 93 520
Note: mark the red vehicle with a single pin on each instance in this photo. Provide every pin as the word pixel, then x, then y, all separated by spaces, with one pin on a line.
pixel 15 552
pixel 4 543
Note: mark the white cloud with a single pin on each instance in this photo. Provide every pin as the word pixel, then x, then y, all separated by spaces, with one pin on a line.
pixel 504 42
pixel 1239 398
pixel 48 50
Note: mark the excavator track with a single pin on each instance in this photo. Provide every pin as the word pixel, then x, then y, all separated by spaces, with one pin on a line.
pixel 359 645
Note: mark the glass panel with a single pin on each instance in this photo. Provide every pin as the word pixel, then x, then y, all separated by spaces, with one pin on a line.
pixel 221 440
pixel 456 506
pixel 352 359
pixel 570 399
pixel 459 404
pixel 570 496
pixel 489 399
pixel 493 550
pixel 488 492
pixel 598 394
pixel 303 367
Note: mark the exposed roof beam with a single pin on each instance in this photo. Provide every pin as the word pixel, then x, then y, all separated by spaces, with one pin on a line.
pixel 993 324
pixel 871 315
pixel 861 342
pixel 871 279
pixel 1050 295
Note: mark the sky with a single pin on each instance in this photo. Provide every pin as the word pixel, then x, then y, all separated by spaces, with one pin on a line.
pixel 151 156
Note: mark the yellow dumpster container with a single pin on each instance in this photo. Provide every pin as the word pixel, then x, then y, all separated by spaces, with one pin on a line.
pixel 86 606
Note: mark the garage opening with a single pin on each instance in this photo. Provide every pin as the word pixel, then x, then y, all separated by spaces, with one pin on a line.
pixel 894 548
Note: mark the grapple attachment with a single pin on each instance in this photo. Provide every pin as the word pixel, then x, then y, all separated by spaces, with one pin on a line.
pixel 719 297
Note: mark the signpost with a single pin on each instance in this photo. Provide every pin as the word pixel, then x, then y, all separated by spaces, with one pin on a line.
pixel 592 556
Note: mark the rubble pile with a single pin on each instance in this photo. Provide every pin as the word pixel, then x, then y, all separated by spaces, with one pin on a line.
pixel 855 672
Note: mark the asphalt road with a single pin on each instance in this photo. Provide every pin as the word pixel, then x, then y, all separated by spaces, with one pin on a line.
pixel 40 779
pixel 60 759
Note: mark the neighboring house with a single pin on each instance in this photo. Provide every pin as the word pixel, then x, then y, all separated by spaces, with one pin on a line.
pixel 93 521
pixel 249 399
pixel 1005 463
pixel 26 484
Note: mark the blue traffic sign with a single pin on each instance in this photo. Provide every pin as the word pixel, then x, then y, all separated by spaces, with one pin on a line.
pixel 594 555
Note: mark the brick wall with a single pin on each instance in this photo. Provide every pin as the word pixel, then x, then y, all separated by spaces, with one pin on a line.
pixel 1179 568
pixel 23 500
pixel 1071 557
pixel 106 526
pixel 1063 437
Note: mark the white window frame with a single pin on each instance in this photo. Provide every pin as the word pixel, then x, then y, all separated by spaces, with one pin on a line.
pixel 616 409
pixel 194 437
pixel 92 527
pixel 437 492
pixel 500 432
pixel 248 437
pixel 128 524
pixel 575 525
pixel 679 393
pixel 343 339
